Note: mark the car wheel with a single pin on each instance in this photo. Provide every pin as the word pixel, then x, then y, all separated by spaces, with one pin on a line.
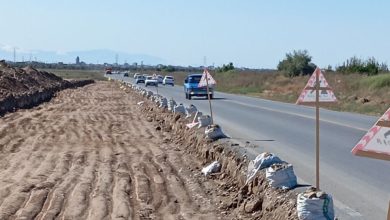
pixel 173 84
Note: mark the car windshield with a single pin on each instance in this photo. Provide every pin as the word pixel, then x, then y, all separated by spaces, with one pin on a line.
pixel 168 77
pixel 140 77
pixel 194 79
pixel 149 77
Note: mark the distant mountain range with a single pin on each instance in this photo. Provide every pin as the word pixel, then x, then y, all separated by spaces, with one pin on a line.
pixel 88 56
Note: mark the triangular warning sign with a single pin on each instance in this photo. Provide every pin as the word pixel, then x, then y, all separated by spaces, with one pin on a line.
pixel 376 143
pixel 210 79
pixel 308 95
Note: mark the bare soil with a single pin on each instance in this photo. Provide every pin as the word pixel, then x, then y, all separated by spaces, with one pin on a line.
pixel 28 87
pixel 90 154
pixel 93 153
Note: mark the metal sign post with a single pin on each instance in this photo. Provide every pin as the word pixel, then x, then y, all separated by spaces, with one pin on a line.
pixel 208 96
pixel 388 213
pixel 311 96
pixel 317 130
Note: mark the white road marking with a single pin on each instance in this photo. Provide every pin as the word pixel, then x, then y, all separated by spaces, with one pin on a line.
pixel 296 114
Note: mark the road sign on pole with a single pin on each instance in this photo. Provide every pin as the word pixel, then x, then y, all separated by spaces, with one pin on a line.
pixel 317 92
pixel 207 80
pixel 376 143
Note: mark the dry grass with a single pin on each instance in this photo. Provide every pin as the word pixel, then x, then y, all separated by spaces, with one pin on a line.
pixel 78 74
pixel 355 92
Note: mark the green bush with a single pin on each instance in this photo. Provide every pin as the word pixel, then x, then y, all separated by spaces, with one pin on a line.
pixel 226 68
pixel 296 63
pixel 357 65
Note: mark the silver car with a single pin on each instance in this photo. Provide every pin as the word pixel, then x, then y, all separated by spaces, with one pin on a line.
pixel 151 81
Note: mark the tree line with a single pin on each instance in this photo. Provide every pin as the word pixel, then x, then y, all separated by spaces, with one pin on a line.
pixel 299 62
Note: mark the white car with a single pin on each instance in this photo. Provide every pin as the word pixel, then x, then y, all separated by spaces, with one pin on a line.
pixel 151 81
pixel 136 74
pixel 168 80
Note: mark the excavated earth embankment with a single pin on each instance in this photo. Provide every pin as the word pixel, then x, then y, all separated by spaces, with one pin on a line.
pixel 28 87
pixel 93 153
pixel 255 200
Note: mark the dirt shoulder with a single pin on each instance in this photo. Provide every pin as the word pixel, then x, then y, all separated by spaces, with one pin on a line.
pixel 91 154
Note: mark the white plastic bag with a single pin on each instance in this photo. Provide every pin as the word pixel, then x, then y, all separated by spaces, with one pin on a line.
pixel 214 132
pixel 281 175
pixel 263 160
pixel 214 167
pixel 204 121
pixel 315 206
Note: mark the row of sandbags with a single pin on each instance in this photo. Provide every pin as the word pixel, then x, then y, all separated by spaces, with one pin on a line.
pixel 311 204
pixel 199 120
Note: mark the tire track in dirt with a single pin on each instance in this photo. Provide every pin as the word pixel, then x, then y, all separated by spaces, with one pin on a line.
pixel 90 154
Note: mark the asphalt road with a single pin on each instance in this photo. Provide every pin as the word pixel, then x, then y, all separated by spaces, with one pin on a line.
pixel 360 186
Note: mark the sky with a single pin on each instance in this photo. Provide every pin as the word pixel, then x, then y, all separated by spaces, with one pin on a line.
pixel 249 33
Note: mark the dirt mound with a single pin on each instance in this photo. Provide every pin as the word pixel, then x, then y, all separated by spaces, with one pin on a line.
pixel 27 87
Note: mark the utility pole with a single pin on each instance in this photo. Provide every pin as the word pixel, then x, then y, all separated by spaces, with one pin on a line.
pixel 14 54
pixel 116 59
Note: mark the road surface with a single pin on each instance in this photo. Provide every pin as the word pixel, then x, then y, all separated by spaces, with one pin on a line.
pixel 360 186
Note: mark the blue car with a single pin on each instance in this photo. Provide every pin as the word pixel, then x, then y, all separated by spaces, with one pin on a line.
pixel 191 87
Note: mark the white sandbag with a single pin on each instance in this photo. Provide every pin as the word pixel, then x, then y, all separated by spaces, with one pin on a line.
pixel 190 111
pixel 149 94
pixel 263 160
pixel 214 132
pixel 194 116
pixel 315 205
pixel 214 167
pixel 180 109
pixel 163 103
pixel 194 120
pixel 140 103
pixel 171 104
pixel 281 175
pixel 204 121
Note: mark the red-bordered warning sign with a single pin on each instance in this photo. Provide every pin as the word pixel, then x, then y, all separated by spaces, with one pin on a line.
pixel 376 143
pixel 203 81
pixel 308 95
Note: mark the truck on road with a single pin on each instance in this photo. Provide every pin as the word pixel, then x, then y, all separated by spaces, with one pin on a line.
pixel 191 87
